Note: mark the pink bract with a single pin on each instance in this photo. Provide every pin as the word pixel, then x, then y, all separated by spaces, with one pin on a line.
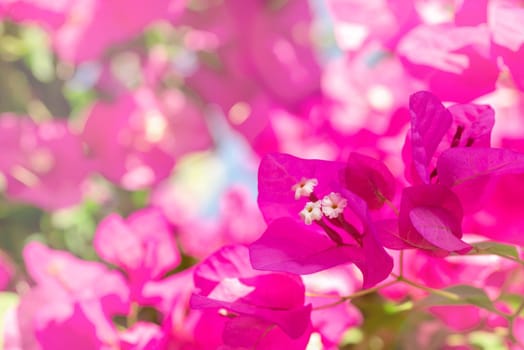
pixel 435 129
pixel 430 121
pixel 458 69
pixel 49 15
pixel 358 21
pixel 431 218
pixel 140 144
pixel 505 21
pixel 44 163
pixel 290 245
pixel 142 245
pixel 370 179
pixel 226 280
pixel 72 297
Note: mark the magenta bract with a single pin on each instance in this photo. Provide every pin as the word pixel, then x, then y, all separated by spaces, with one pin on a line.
pixel 43 163
pixel 370 179
pixel 142 245
pixel 430 121
pixel 455 61
pixel 332 237
pixel 460 165
pixel 430 218
pixel 226 281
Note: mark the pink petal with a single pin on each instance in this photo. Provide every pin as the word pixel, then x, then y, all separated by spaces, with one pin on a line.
pixel 430 121
pixel 370 179
pixel 455 61
pixel 437 226
pixel 459 165
pixel 289 247
pixel 248 332
pixel 430 218
pixel 279 172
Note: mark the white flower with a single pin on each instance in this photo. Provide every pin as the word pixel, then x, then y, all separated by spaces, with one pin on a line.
pixel 333 205
pixel 311 212
pixel 304 187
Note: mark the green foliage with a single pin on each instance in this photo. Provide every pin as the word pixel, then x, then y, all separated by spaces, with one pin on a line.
pixel 487 340
pixel 494 248
pixel 459 295
pixel 37 54
pixel 7 301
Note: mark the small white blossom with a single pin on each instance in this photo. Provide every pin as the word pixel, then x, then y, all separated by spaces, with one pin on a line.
pixel 333 205
pixel 311 212
pixel 304 187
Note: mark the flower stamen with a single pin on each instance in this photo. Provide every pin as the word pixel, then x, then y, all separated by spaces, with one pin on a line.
pixel 304 187
pixel 333 205
pixel 312 212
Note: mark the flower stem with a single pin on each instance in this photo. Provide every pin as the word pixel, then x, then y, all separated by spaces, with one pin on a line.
pixel 356 295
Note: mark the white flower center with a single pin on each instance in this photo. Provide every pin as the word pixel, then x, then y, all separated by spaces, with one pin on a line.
pixel 312 211
pixel 304 187
pixel 333 205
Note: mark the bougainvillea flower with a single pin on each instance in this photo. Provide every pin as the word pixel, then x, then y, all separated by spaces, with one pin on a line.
pixel 358 21
pixel 498 217
pixel 455 62
pixel 459 165
pixel 370 179
pixel 43 164
pixel 104 24
pixel 431 218
pixel 301 239
pixel 86 321
pixel 430 121
pixel 505 22
pixel 186 123
pixel 71 296
pixel 370 86
pixel 471 12
pixel 226 282
pixel 142 245
pixel 271 46
pixel 281 50
pixel 139 145
pixel 49 15
pixel 472 125
pixel 143 336
pixel 246 332
pixel 139 156
pixel 435 129
pixel 77 278
pixel 470 171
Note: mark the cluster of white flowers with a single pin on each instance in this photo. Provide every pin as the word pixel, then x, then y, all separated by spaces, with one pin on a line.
pixel 332 205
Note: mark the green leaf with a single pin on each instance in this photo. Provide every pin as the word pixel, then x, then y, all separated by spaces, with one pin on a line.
pixel 494 248
pixel 7 301
pixel 393 308
pixel 487 340
pixel 352 336
pixel 38 56
pixel 459 295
